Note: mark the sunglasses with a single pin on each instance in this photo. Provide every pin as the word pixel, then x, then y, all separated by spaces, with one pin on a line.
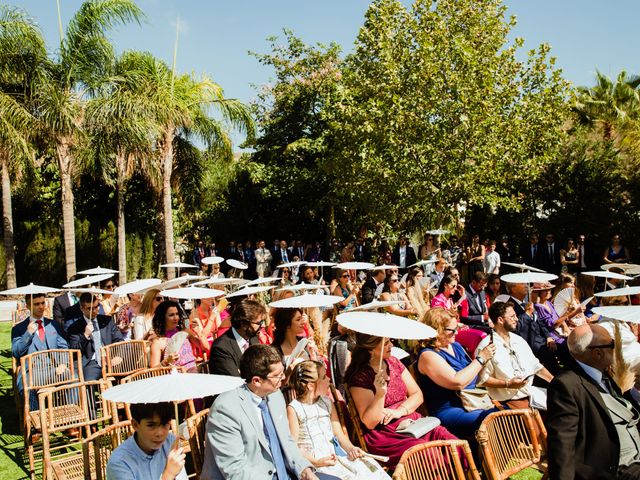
pixel 344 276
pixel 394 280
pixel 610 345
pixel 110 286
pixel 158 299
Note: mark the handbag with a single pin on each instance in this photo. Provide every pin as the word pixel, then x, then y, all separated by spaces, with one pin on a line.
pixel 420 427
pixel 475 399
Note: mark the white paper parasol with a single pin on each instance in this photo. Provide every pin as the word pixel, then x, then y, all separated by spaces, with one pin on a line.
pixel 178 265
pixel 307 301
pixel 528 277
pixel 174 387
pixel 191 293
pixel 625 313
pixel 232 262
pixel 81 282
pixel 376 305
pixel 523 266
pixel 429 261
pixel 30 289
pixel 241 292
pixel 619 292
pixel 302 287
pixel 212 260
pixel 291 264
pixel 221 281
pixel 354 265
pixel 384 267
pixel 93 291
pixel 627 268
pixel 437 231
pixel 607 274
pixel 399 353
pixel 137 286
pixel 262 281
pixel 97 271
pixel 385 325
pixel 321 263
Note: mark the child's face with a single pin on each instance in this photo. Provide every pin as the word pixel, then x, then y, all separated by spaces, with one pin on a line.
pixel 150 433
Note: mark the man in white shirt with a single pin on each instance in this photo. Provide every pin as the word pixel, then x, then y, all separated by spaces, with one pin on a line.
pixel 509 374
pixel 492 259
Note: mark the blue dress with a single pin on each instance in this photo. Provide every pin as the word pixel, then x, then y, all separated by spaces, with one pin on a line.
pixel 444 403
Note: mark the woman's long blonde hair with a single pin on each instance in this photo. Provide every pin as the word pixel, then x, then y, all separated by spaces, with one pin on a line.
pixel 146 308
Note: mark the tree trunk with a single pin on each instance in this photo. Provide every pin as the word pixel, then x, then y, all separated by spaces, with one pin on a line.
pixel 120 219
pixel 65 163
pixel 7 226
pixel 167 169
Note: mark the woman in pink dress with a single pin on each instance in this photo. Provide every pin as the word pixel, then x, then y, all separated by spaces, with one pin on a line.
pixel 385 399
pixel 444 298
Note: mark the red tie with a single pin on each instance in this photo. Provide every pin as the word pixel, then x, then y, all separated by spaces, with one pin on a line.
pixel 40 330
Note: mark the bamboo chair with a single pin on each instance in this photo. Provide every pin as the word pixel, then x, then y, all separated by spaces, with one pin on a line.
pixel 97 449
pixel 41 370
pixel 357 434
pixel 70 406
pixel 124 358
pixel 510 441
pixel 196 425
pixel 437 460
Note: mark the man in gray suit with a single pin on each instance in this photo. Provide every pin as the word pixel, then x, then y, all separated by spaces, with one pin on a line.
pixel 248 434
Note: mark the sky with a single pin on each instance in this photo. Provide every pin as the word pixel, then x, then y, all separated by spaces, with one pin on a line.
pixel 216 35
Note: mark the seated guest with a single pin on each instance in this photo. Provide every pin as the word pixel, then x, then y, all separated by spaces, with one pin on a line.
pixel 444 369
pixel 34 334
pixel 391 292
pixel 559 325
pixel 247 432
pixel 438 273
pixel 143 321
pixel 370 287
pixel 247 319
pixel 152 451
pixel 61 303
pixel 166 324
pixel 290 326
pixel 209 318
pixel 446 291
pixel 89 333
pixel 416 292
pixel 509 374
pixel 315 426
pixel 493 287
pixel 346 290
pixel 128 312
pixel 475 311
pixel 385 398
pixel 592 427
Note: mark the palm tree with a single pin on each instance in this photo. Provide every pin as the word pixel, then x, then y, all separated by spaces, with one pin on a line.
pixel 118 123
pixel 24 54
pixel 82 63
pixel 608 104
pixel 182 107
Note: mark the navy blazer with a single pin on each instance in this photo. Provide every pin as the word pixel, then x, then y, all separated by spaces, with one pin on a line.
pixel 226 354
pixel 475 315
pixel 534 331
pixel 23 343
pixel 109 333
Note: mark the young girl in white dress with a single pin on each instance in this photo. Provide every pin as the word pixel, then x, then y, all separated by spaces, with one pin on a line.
pixel 316 428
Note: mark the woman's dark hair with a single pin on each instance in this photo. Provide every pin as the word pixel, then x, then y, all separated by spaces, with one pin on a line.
pixel 387 283
pixel 257 360
pixel 361 354
pixel 411 277
pixel 158 322
pixel 447 280
pixel 140 411
pixel 490 279
pixel 303 269
pixel 282 319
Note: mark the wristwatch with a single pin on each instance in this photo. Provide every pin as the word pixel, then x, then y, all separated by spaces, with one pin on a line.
pixel 481 360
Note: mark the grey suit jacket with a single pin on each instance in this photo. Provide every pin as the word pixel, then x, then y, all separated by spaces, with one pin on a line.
pixel 236 447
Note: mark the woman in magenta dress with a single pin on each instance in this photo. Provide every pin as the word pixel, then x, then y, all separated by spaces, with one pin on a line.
pixel 385 399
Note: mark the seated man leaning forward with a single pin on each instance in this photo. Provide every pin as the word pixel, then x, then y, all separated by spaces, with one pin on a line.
pixel 152 451
pixel 247 432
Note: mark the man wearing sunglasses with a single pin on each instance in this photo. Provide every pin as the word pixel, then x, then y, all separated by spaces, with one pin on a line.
pixel 592 427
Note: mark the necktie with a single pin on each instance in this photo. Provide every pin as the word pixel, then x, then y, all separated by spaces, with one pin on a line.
pixel 274 443
pixel 97 341
pixel 40 330
pixel 285 259
pixel 551 254
pixel 607 382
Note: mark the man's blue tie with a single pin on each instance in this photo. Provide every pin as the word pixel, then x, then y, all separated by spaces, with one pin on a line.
pixel 274 443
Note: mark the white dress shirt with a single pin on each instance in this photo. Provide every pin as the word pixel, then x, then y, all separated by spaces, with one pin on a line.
pixel 243 343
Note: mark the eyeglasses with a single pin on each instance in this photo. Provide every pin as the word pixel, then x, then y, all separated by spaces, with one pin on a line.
pixel 451 330
pixel 158 299
pixel 611 345
pixel 261 323
pixel 277 376
pixel 111 285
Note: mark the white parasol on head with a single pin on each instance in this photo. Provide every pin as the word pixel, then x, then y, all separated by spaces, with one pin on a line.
pixel 523 267
pixel 375 305
pixel 627 268
pixel 291 264
pixel 30 290
pixel 97 271
pixel 385 325
pixel 191 293
pixel 307 301
pixel 261 281
pixel 384 267
pixel 93 291
pixel 321 264
pixel 619 292
pixel 302 287
pixel 607 274
pixel 175 387
pixel 93 279
pixel 178 266
pixel 232 262
pixel 625 313
pixel 220 281
pixel 137 286
pixel 421 263
pixel 354 266
pixel 212 260
pixel 528 278
pixel 244 291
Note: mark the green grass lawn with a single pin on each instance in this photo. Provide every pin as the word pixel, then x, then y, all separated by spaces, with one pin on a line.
pixel 12 460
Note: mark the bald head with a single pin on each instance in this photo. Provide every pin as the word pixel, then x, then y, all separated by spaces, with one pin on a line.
pixel 591 344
